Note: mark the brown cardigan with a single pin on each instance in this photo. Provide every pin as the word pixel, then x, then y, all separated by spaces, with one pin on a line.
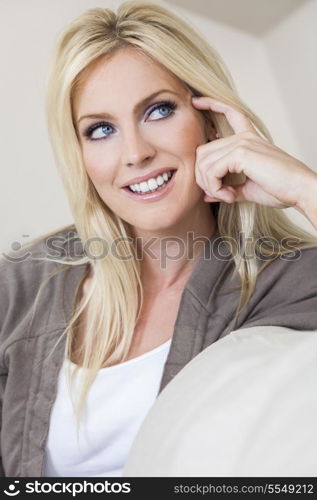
pixel 285 295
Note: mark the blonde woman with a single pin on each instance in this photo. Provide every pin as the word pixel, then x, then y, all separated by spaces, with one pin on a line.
pixel 176 190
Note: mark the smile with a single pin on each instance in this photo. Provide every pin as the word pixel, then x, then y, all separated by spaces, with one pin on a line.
pixel 152 184
pixel 153 189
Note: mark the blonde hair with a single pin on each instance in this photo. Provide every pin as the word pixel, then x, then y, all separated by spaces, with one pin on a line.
pixel 115 298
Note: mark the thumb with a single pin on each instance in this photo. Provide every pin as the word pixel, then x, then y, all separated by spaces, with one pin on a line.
pixel 228 194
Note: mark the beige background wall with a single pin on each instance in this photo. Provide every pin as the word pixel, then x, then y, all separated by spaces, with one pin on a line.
pixel 275 73
pixel 292 52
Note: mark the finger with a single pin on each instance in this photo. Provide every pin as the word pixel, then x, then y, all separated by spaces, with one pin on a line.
pixel 238 121
pixel 229 194
pixel 225 193
pixel 213 173
pixel 217 147
pixel 209 164
pixel 209 198
pixel 207 148
pixel 206 156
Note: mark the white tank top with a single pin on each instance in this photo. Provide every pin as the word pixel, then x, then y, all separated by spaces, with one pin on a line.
pixel 117 403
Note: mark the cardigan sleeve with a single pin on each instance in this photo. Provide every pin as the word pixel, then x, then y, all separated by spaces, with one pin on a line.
pixel 20 279
pixel 33 293
pixel 285 294
pixel 2 385
pixel 4 305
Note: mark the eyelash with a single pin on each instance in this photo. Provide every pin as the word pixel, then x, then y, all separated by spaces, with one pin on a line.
pixel 170 104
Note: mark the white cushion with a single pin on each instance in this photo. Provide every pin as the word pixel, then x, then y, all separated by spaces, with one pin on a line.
pixel 245 406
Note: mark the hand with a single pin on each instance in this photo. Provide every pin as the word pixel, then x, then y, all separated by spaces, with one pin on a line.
pixel 274 178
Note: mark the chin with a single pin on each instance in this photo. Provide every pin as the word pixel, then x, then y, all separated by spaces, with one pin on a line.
pixel 154 223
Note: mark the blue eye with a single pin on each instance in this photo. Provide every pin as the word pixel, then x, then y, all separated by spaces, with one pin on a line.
pixel 101 130
pixel 169 106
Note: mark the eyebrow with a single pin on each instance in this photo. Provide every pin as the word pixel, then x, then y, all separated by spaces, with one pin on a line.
pixel 144 102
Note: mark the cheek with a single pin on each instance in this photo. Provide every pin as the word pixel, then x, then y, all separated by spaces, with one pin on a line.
pixel 187 136
pixel 97 163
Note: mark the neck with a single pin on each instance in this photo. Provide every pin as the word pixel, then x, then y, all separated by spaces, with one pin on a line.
pixel 168 256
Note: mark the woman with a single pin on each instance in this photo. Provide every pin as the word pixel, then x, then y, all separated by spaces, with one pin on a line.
pixel 149 169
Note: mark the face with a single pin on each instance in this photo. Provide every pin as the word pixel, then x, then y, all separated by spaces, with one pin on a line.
pixel 135 120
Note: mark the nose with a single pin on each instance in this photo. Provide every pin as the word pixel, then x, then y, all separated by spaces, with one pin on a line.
pixel 137 150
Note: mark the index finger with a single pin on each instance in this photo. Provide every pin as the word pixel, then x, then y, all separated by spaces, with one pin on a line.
pixel 238 121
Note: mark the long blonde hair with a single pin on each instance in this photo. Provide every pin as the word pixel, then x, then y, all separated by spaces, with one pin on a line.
pixel 115 298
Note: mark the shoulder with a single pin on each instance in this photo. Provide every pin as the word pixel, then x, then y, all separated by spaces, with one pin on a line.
pixel 293 273
pixel 32 261
pixel 296 267
pixel 286 292
pixel 25 272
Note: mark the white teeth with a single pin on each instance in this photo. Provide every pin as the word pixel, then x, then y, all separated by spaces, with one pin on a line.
pixel 152 184
pixel 144 187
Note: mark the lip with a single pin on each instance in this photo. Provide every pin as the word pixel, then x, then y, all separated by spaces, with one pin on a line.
pixel 148 176
pixel 155 195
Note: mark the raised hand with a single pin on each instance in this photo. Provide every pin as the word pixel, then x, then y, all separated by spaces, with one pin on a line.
pixel 274 178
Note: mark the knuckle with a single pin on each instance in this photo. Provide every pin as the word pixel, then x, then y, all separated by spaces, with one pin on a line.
pixel 244 138
pixel 200 150
pixel 240 151
pixel 197 176
pixel 243 143
pixel 248 135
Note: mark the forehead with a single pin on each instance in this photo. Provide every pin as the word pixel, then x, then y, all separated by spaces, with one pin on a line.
pixel 126 74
